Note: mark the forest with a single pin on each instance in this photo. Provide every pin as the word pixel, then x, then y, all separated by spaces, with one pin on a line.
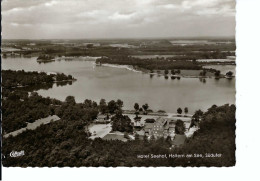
pixel 20 78
pixel 65 143
pixel 18 106
pixel 151 64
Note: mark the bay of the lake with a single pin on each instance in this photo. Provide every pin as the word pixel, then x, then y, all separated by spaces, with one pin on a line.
pixel 96 82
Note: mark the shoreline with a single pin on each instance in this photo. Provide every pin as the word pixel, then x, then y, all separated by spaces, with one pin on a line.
pixel 159 114
pixel 145 71
pixel 128 67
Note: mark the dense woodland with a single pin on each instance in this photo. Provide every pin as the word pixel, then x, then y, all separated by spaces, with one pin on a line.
pixel 65 143
pixel 151 64
pixel 18 106
pixel 183 60
pixel 217 49
pixel 45 57
pixel 20 78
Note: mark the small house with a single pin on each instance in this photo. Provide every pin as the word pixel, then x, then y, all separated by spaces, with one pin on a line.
pixel 102 119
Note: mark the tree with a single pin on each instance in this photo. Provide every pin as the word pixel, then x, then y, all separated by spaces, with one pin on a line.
pixel 35 94
pixel 112 107
pixel 197 115
pixel 194 122
pixel 186 110
pixel 119 103
pixel 229 73
pixel 121 123
pixel 103 106
pixel 172 71
pixel 118 111
pixel 70 77
pixel 88 103
pixel 179 127
pixel 145 107
pixel 166 72
pixel 217 73
pixel 52 111
pixel 137 137
pixel 179 110
pixel 178 71
pixel 94 104
pixel 203 73
pixel 70 100
pixel 136 106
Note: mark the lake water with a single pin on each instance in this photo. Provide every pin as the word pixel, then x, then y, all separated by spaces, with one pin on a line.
pixel 124 45
pixel 96 82
pixel 216 60
pixel 152 56
pixel 198 42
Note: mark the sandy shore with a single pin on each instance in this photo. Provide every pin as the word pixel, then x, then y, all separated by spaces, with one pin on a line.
pixel 128 67
pixel 183 74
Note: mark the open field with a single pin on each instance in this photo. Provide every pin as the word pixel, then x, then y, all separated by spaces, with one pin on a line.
pixel 99 130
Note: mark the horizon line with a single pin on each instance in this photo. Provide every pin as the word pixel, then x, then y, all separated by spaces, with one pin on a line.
pixel 127 38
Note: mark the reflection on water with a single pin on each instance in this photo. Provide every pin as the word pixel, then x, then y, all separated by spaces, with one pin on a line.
pixel 44 86
pixel 117 83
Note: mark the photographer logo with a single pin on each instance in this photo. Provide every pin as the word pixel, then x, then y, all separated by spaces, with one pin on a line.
pixel 17 153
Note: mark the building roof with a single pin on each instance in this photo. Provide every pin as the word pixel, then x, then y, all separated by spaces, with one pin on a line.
pixel 138 124
pixel 148 125
pixel 141 133
pixel 101 116
pixel 34 125
pixel 179 139
pixel 112 136
pixel 160 121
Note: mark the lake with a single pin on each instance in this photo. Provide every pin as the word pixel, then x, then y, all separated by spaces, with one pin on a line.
pixel 198 42
pixel 152 56
pixel 96 82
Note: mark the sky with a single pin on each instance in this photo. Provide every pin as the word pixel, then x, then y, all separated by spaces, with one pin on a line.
pixel 83 19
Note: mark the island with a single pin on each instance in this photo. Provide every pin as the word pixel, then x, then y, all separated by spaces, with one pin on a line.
pixel 45 58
